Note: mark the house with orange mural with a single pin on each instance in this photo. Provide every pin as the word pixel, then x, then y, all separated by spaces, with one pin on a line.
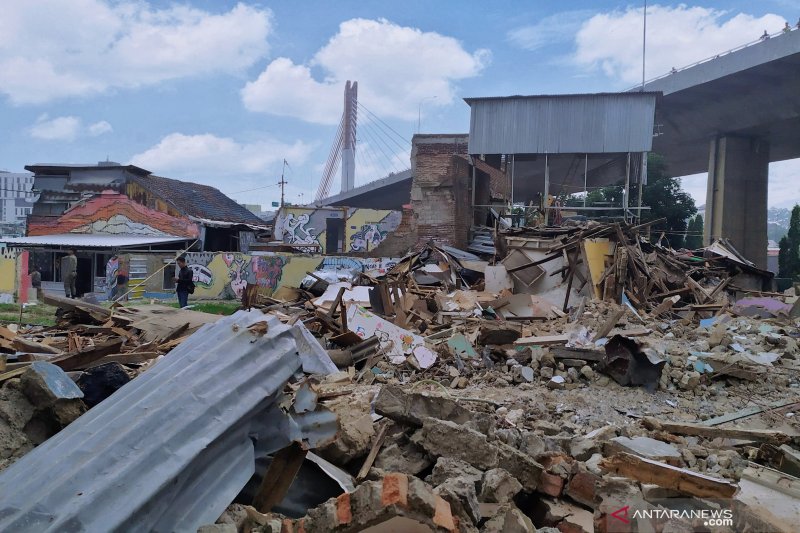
pixel 123 217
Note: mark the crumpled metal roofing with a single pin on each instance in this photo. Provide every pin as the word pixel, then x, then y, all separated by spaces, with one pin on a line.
pixel 172 448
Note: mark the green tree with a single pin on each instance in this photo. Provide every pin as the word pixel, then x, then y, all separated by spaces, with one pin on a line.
pixel 694 233
pixel 662 194
pixel 784 268
pixel 791 258
pixel 666 199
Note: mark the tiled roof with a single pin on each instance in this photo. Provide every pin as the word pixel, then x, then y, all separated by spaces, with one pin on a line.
pixel 200 201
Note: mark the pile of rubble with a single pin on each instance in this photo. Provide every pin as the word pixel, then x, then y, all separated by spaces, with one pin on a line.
pixel 582 379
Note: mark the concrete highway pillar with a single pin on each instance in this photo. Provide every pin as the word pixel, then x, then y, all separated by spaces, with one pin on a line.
pixel 736 203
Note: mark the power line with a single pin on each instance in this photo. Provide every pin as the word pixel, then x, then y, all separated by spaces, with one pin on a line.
pixel 392 155
pixel 377 144
pixel 256 188
pixel 376 117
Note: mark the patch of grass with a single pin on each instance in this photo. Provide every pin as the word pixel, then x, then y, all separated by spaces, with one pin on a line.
pixel 39 314
pixel 215 307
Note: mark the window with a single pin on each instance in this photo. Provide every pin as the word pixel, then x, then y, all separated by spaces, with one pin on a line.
pixel 168 283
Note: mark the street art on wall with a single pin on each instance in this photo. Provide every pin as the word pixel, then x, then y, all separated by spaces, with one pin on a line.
pixel 113 213
pixel 367 228
pixel 296 230
pixel 112 267
pixel 305 225
pixel 364 229
pixel 226 275
pixel 368 237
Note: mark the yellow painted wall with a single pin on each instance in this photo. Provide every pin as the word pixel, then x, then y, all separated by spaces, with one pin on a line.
pixel 226 275
pixel 8 271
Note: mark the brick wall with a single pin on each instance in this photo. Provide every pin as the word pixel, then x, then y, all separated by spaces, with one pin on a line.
pixel 440 189
pixel 400 241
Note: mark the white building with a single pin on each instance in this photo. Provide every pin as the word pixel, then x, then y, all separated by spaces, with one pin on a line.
pixel 16 198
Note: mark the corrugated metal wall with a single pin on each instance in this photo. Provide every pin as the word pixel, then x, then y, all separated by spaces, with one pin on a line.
pixel 591 123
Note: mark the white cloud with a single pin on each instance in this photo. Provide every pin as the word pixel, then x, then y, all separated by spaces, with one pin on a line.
pixel 395 66
pixel 56 129
pixel 99 128
pixel 676 36
pixel 554 29
pixel 66 128
pixel 84 47
pixel 211 157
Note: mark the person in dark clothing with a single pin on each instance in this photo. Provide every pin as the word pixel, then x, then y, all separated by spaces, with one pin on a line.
pixel 184 284
pixel 36 278
pixel 121 289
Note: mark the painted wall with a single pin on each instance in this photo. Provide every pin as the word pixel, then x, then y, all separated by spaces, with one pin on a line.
pixel 217 275
pixel 15 281
pixel 364 229
pixel 226 275
pixel 8 271
pixel 113 213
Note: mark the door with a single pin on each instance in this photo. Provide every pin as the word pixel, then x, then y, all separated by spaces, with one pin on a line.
pixel 334 235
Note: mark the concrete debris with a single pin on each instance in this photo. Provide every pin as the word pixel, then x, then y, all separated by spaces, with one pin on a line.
pixel 498 486
pixel 577 370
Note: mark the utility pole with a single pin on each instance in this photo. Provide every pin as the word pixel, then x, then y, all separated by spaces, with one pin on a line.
pixel 283 181
pixel 644 40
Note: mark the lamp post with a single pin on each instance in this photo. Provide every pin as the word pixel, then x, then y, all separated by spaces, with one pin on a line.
pixel 419 110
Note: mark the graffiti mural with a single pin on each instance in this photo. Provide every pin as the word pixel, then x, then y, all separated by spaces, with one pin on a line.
pixel 367 238
pixel 367 228
pixel 296 230
pixel 113 213
pixel 112 266
pixel 202 276
pixel 226 275
pixel 364 229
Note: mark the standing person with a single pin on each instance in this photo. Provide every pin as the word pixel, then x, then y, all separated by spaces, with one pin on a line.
pixel 122 285
pixel 183 278
pixel 36 279
pixel 69 273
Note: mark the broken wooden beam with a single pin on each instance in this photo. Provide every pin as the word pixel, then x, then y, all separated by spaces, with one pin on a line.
pixel 667 476
pixel 77 361
pixel 373 452
pixel 609 324
pixel 698 430
pixel 279 477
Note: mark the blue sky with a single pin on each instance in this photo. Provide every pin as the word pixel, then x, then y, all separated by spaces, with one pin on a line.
pixel 220 92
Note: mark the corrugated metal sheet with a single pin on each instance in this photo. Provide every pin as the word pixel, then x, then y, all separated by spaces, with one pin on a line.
pixel 90 240
pixel 582 123
pixel 172 448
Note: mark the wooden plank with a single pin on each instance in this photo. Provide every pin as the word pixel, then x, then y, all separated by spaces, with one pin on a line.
pixel 373 452
pixel 25 345
pixel 279 477
pixel 587 354
pixel 750 411
pixel 83 358
pixel 125 358
pixel 544 340
pixel 668 476
pixel 609 324
pixel 97 312
pixel 698 430
pixel 12 373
